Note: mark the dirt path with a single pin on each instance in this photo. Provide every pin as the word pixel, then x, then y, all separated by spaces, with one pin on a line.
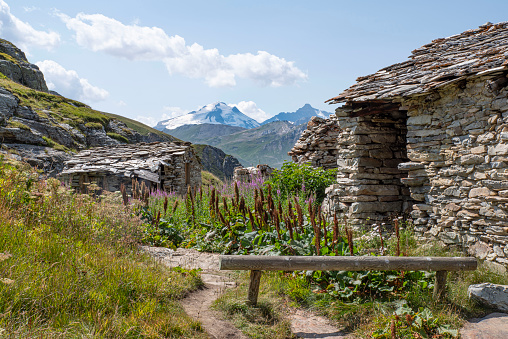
pixel 307 325
pixel 197 304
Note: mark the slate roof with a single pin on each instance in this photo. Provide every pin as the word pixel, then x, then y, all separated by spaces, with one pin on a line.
pixel 140 160
pixel 443 61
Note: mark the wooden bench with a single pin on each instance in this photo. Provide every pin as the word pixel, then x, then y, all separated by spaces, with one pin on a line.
pixel 258 263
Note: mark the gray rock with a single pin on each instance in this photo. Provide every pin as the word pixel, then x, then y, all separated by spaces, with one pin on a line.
pixel 215 161
pixel 479 250
pixel 8 104
pixel 49 160
pixel 491 295
pixel 19 70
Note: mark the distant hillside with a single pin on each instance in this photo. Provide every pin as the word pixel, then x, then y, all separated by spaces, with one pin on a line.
pixel 204 133
pixel 216 113
pixel 267 144
pixel 215 161
pixel 301 116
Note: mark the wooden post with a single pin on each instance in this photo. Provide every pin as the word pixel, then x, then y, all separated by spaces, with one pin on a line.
pixel 440 285
pixel 255 279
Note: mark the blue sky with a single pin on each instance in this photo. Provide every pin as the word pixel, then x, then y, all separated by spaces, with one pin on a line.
pixel 151 60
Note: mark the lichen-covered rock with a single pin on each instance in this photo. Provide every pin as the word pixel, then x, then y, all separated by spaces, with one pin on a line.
pixel 491 295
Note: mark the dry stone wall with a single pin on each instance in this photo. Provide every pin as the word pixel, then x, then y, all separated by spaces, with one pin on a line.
pixel 457 144
pixel 318 143
pixel 368 187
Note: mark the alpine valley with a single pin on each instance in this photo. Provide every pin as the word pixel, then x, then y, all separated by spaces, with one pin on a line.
pixel 226 127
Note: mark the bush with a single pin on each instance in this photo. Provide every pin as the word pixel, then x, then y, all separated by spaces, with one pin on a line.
pixel 294 178
pixel 118 137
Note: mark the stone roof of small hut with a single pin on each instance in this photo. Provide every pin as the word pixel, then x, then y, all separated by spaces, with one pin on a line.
pixel 443 61
pixel 140 160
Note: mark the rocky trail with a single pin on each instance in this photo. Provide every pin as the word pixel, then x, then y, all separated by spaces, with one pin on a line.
pixel 303 323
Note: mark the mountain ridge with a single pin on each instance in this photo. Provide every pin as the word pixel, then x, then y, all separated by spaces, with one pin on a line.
pixel 300 116
pixel 215 113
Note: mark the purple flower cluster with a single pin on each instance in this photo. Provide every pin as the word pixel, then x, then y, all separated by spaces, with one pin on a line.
pixel 162 194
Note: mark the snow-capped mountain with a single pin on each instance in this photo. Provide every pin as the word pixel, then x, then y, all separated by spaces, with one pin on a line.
pixel 216 113
pixel 301 116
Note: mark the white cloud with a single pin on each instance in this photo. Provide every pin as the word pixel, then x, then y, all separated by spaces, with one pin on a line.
pixel 100 33
pixel 22 34
pixel 252 110
pixel 173 112
pixel 121 103
pixel 69 84
pixel 150 121
pixel 169 112
pixel 30 9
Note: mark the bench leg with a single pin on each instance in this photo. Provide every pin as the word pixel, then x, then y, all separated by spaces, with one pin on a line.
pixel 440 285
pixel 255 279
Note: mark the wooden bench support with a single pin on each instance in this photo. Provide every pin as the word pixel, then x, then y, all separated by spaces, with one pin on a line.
pixel 258 263
pixel 255 279
pixel 440 285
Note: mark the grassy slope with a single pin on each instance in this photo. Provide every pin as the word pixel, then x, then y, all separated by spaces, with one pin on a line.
pixel 70 267
pixel 140 127
pixel 70 111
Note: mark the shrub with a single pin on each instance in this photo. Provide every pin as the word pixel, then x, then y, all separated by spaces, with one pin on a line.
pixel 53 144
pixel 17 124
pixel 294 178
pixel 94 125
pixel 118 137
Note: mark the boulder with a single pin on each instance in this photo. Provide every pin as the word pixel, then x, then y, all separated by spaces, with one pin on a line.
pixel 491 295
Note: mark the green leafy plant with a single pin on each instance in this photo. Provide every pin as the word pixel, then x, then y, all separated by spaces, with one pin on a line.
pixel 406 323
pixel 294 178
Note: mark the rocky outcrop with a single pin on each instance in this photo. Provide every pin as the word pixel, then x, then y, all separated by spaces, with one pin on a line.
pixel 47 159
pixel 15 66
pixel 215 161
pixel 491 295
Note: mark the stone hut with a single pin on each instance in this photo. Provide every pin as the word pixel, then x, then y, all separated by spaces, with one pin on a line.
pixel 249 174
pixel 429 136
pixel 168 166
pixel 318 143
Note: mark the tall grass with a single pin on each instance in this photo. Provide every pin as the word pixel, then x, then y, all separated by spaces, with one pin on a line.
pixel 70 267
